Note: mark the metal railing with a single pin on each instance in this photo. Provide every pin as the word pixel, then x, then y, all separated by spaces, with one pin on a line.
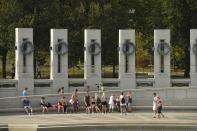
pixel 107 82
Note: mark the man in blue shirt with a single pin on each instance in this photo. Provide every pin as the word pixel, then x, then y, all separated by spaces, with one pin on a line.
pixel 24 93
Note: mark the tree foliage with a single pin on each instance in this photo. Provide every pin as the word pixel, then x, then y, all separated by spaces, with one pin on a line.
pixel 108 15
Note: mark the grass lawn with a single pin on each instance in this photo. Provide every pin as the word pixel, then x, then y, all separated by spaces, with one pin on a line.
pixel 78 72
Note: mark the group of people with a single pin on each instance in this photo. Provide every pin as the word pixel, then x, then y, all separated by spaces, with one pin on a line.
pixel 157 106
pixel 93 104
pixel 61 104
pixel 97 104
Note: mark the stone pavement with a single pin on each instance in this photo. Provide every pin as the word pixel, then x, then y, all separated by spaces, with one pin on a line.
pixel 81 119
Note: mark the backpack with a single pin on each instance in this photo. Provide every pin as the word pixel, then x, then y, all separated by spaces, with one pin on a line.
pixel 129 100
pixel 123 100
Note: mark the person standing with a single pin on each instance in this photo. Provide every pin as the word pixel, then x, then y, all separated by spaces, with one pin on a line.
pixel 12 71
pixel 129 102
pixel 74 101
pixel 38 71
pixel 87 88
pixel 87 103
pixel 159 107
pixel 154 104
pixel 111 103
pixel 104 103
pixel 117 102
pixel 123 104
pixel 25 93
pixel 61 91
pixel 98 103
pixel 93 104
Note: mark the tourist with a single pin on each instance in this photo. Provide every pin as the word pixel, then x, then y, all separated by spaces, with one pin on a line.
pixel 62 105
pixel 104 103
pixel 24 92
pixel 87 88
pixel 122 104
pixel 44 104
pixel 74 101
pixel 87 102
pixel 27 106
pixel 159 107
pixel 129 102
pixel 38 70
pixel 102 88
pixel 12 71
pixel 154 104
pixel 93 104
pixel 98 87
pixel 61 91
pixel 98 103
pixel 117 102
pixel 111 103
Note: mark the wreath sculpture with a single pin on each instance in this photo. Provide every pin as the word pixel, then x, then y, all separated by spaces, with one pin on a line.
pixel 92 48
pixel 163 48
pixel 61 48
pixel 26 47
pixel 128 48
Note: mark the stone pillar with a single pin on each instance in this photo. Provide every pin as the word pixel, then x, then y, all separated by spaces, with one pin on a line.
pixel 59 59
pixel 24 59
pixel 92 57
pixel 162 58
pixel 193 57
pixel 127 75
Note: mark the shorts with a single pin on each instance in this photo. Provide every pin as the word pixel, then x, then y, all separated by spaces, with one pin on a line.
pixel 88 104
pixel 104 103
pixel 154 107
pixel 123 105
pixel 159 109
pixel 111 106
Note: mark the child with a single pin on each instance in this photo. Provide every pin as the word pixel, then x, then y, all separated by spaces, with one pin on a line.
pixel 159 107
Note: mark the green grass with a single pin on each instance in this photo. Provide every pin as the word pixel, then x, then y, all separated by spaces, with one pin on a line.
pixel 78 72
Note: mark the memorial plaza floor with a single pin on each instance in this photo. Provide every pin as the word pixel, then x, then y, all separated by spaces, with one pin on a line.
pixel 20 122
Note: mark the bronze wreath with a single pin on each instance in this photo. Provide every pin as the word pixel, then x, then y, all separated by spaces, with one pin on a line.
pixel 165 46
pixel 59 48
pixel 26 47
pixel 131 49
pixel 96 45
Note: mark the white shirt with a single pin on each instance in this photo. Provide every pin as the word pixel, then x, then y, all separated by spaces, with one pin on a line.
pixel 155 103
pixel 111 100
pixel 121 96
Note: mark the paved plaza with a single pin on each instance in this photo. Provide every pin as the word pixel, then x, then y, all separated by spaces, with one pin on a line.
pixel 141 118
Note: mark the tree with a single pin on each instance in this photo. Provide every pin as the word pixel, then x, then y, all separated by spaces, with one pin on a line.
pixel 8 15
pixel 179 18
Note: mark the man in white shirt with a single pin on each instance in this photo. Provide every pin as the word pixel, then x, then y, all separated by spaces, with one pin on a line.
pixel 154 104
pixel 122 104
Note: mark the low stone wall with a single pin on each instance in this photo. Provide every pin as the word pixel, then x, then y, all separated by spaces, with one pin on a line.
pixel 172 97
